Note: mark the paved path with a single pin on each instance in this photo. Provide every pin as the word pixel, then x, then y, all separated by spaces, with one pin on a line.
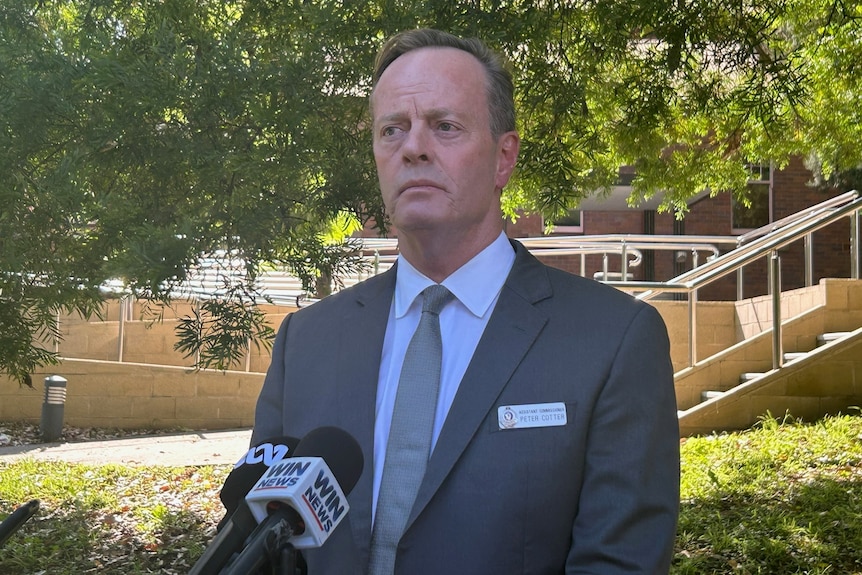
pixel 194 448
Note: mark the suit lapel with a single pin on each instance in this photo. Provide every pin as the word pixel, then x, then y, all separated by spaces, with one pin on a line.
pixel 360 345
pixel 513 327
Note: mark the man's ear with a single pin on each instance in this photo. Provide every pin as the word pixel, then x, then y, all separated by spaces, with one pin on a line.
pixel 508 146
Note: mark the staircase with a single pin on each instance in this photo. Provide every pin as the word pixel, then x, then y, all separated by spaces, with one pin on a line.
pixel 788 358
pixel 822 374
pixel 822 371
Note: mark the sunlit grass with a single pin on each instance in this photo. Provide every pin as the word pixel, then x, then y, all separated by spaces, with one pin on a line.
pixel 109 519
pixel 784 498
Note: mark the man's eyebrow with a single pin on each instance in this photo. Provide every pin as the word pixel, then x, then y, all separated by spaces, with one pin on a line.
pixel 432 114
pixel 393 117
pixel 437 113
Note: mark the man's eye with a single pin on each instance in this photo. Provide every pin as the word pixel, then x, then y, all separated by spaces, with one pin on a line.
pixel 388 131
pixel 445 127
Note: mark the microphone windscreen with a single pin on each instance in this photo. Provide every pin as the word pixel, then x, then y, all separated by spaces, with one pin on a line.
pixel 250 468
pixel 339 450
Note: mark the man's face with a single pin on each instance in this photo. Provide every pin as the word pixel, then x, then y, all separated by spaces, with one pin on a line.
pixel 438 164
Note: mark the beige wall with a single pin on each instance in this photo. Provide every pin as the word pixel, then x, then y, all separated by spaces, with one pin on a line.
pixel 148 336
pixel 110 394
pixel 132 394
pixel 151 341
pixel 717 329
pixel 834 305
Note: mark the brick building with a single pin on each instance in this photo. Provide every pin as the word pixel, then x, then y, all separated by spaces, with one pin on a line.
pixel 775 195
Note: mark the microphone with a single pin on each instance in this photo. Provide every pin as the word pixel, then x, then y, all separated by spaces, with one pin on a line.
pixel 300 501
pixel 248 469
pixel 238 523
pixel 16 519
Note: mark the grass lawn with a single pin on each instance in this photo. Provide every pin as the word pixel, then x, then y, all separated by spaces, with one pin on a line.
pixel 779 499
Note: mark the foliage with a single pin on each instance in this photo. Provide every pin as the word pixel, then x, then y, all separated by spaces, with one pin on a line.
pixel 138 137
pixel 110 519
pixel 784 497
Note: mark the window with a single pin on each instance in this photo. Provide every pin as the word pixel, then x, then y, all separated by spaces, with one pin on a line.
pixel 571 223
pixel 760 194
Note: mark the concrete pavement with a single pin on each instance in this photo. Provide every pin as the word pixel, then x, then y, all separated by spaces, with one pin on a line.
pixel 182 449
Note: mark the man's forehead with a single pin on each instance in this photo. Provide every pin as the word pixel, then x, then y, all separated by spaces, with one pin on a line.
pixel 430 55
pixel 438 72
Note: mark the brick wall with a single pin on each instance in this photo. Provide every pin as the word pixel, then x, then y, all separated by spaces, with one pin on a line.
pixel 792 192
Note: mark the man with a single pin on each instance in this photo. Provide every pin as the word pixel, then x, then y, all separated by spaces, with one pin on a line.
pixel 555 445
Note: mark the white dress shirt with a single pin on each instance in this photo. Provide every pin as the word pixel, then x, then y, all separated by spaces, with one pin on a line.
pixel 476 286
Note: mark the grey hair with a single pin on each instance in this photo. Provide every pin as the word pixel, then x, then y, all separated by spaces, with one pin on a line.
pixel 500 88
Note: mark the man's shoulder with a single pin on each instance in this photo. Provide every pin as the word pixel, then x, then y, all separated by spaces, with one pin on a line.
pixel 571 281
pixel 564 285
pixel 349 297
pixel 571 295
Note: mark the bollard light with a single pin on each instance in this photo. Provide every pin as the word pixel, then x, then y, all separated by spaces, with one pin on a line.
pixel 52 408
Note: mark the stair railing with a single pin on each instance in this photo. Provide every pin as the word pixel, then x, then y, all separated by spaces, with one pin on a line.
pixel 767 244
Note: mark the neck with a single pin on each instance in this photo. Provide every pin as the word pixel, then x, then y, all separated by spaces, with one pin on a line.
pixel 439 257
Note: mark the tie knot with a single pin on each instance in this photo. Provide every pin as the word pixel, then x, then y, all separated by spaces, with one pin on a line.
pixel 434 298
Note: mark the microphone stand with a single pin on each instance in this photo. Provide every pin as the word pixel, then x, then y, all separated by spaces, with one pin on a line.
pixel 269 545
pixel 16 519
pixel 287 561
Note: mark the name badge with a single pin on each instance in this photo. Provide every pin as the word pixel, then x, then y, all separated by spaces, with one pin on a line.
pixel 532 415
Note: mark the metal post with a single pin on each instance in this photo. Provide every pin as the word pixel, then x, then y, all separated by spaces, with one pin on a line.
pixel 775 289
pixel 198 350
pixel 624 265
pixel 692 322
pixel 808 246
pixel 855 244
pixel 121 335
pixel 692 327
pixel 57 333
pixel 605 266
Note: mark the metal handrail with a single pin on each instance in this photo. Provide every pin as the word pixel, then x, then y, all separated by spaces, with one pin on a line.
pixel 815 218
pixel 623 243
pixel 801 214
pixel 731 261
pixel 808 241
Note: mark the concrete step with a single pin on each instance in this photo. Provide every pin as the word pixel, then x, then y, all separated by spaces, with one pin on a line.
pixel 794 355
pixel 749 376
pixel 825 338
pixel 788 357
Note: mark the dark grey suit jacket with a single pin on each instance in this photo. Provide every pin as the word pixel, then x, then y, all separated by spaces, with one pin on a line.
pixel 598 495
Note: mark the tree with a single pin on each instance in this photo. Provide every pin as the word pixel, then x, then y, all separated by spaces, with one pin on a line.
pixel 139 137
pixel 143 137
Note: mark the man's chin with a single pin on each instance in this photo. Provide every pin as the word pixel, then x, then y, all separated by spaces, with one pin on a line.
pixel 424 223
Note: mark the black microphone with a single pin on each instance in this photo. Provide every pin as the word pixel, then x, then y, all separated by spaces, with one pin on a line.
pixel 300 501
pixel 16 519
pixel 249 468
pixel 238 523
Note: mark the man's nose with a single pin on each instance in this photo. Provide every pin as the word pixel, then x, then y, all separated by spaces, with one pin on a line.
pixel 416 146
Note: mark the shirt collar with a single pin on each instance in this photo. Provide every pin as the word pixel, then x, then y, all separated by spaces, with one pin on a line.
pixel 475 284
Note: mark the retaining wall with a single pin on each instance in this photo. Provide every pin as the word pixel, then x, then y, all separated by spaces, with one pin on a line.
pixel 135 393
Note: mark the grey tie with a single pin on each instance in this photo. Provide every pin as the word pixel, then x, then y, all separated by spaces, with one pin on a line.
pixel 409 445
